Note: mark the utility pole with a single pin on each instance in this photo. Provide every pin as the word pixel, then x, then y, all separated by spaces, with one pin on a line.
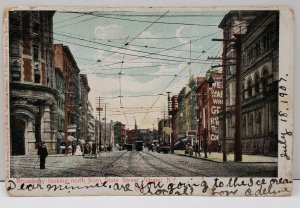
pixel 99 110
pixel 224 65
pixel 190 63
pixel 164 124
pixel 224 62
pixel 158 133
pixel 237 142
pixel 169 116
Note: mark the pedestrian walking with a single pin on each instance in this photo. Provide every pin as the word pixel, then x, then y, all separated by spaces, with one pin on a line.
pixel 197 150
pixel 190 150
pixel 42 153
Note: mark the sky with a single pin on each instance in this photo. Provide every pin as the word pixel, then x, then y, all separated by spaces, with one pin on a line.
pixel 133 58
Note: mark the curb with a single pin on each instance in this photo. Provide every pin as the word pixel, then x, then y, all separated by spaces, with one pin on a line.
pixel 216 161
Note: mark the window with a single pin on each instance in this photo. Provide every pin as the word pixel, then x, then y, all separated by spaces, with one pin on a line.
pixel 266 41
pixel 35 53
pixel 250 125
pixel 256 83
pixel 227 97
pixel 14 48
pixel 249 87
pixel 244 124
pixel 265 81
pixel 15 19
pixel 257 49
pixel 37 74
pixel 15 73
pixel 35 28
pixel 258 122
pixel 35 16
pixel 243 91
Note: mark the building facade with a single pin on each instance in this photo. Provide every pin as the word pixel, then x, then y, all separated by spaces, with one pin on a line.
pixel 119 133
pixel 84 107
pixel 174 118
pixel 65 62
pixel 91 123
pixel 33 97
pixel 259 84
pixel 256 35
pixel 60 87
pixel 181 114
pixel 209 102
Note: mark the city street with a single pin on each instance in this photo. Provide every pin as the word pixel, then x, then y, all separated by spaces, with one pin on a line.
pixel 135 164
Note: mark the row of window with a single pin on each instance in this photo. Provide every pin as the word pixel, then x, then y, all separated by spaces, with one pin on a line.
pixel 257 49
pixel 256 84
pixel 248 125
pixel 260 84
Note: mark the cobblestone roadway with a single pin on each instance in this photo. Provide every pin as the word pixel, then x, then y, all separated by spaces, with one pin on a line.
pixel 135 164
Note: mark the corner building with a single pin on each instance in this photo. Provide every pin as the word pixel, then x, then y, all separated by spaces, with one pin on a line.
pixel 259 57
pixel 33 97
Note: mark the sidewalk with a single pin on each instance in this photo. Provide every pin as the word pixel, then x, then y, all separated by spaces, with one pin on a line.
pixel 218 157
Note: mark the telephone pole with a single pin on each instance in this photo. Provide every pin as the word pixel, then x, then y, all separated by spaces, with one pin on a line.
pixel 99 126
pixel 237 141
pixel 169 117
pixel 99 109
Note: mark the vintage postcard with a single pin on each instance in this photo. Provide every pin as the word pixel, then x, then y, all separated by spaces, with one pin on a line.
pixel 148 101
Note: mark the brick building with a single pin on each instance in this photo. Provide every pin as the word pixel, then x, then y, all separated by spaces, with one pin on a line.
pixel 84 107
pixel 209 102
pixel 65 62
pixel 33 97
pixel 119 133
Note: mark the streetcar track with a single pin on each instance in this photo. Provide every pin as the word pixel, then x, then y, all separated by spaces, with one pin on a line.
pixel 129 169
pixel 181 168
pixel 104 171
pixel 155 167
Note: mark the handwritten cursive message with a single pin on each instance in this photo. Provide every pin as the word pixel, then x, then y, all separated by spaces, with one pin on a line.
pixel 156 186
pixel 285 133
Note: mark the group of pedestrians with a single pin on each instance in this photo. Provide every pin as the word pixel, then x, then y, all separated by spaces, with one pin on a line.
pixel 191 149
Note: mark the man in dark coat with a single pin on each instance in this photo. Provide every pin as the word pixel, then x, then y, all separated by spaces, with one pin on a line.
pixel 42 153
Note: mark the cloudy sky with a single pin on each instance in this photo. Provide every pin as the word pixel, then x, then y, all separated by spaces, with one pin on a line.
pixel 139 56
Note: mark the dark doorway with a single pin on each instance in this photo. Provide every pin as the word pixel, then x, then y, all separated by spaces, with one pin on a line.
pixel 17 137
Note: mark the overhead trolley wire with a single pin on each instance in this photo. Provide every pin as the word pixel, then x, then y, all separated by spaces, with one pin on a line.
pixel 147 21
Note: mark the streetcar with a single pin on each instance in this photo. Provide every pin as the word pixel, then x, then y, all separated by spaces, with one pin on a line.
pixel 139 145
pixel 128 147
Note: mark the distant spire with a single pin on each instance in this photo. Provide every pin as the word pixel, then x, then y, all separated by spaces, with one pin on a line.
pixel 135 126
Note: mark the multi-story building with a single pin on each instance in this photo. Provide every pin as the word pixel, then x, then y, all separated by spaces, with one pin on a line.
pixel 259 84
pixel 131 136
pixel 65 62
pixel 209 102
pixel 107 134
pixel 174 118
pixel 119 133
pixel 91 123
pixel 59 85
pixel 191 105
pixel 33 97
pixel 186 112
pixel 255 35
pixel 182 128
pixel 84 107
pixel 163 132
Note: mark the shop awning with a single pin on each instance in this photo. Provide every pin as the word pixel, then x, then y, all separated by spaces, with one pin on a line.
pixel 58 136
pixel 71 138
